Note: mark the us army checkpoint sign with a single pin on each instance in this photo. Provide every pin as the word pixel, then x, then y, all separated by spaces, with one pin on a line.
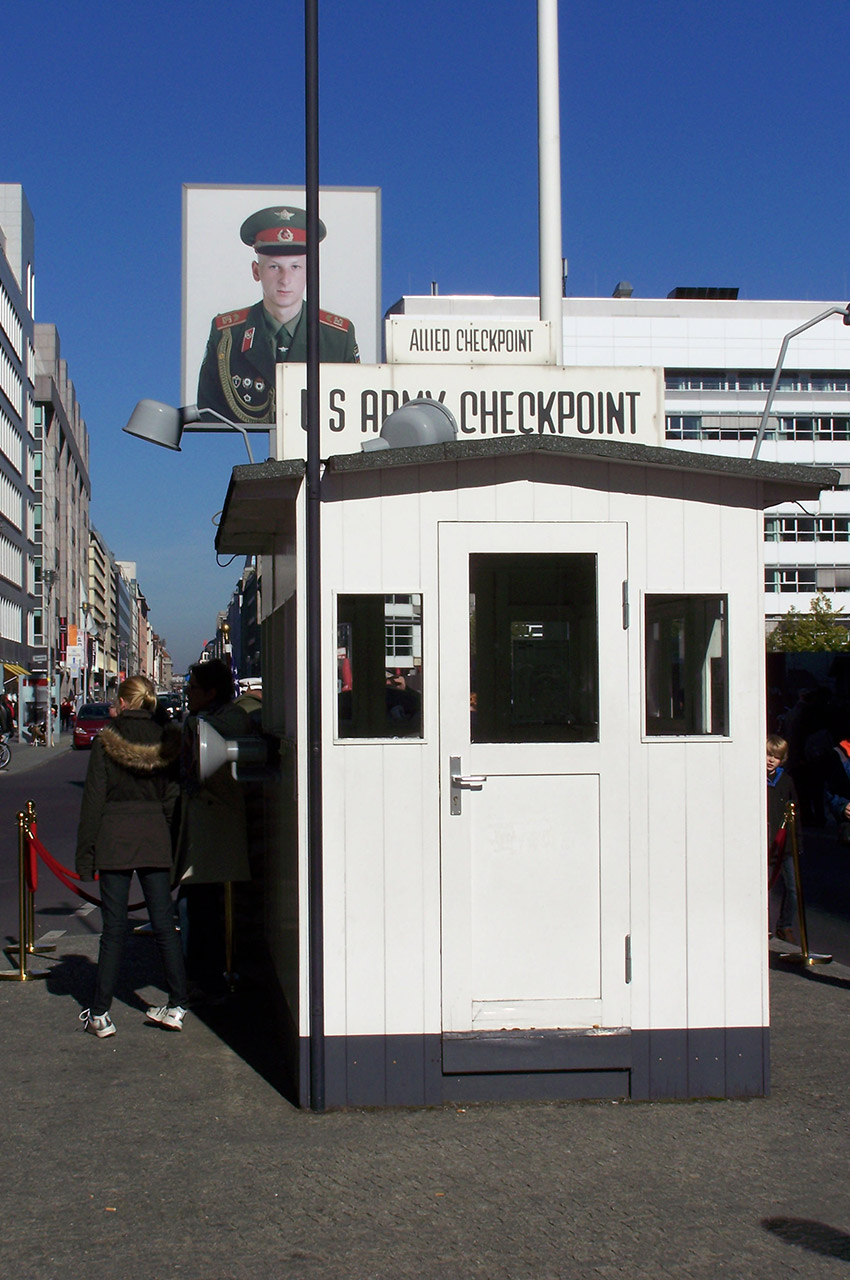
pixel 487 401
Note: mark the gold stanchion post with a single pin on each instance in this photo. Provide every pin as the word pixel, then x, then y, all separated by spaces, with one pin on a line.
pixel 22 973
pixel 803 956
pixel 45 948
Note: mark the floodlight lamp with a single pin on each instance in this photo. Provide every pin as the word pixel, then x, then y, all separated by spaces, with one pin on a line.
pixel 248 755
pixel 157 422
pixel 420 421
pixel 160 423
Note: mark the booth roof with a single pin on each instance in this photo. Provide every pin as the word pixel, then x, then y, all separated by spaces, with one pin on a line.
pixel 259 506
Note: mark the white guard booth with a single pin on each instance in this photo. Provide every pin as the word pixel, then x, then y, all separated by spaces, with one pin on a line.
pixel 543 754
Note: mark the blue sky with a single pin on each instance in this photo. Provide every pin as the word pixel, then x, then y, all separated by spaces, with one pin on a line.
pixel 701 144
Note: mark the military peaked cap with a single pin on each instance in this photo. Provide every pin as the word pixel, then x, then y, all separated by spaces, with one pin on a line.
pixel 281 229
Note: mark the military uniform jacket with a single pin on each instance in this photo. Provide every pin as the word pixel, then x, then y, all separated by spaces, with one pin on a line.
pixel 237 376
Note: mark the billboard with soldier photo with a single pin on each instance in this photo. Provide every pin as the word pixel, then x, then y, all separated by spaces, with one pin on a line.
pixel 244 282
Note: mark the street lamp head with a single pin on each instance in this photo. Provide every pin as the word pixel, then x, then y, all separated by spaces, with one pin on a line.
pixel 156 422
pixel 160 423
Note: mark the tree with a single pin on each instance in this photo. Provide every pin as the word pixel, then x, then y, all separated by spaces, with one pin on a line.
pixel 821 630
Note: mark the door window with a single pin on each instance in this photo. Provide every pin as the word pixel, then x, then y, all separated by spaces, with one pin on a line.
pixel 534 665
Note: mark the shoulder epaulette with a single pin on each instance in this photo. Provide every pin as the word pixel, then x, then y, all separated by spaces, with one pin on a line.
pixel 336 322
pixel 228 318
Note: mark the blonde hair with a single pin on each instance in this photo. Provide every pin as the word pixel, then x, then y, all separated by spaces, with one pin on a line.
pixel 777 746
pixel 138 693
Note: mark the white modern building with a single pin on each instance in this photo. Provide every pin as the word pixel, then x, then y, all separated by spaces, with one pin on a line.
pixel 718 353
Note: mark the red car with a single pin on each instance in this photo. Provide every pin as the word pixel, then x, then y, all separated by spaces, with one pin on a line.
pixel 91 718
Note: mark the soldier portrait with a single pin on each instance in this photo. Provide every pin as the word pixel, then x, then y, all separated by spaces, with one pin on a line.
pixel 237 376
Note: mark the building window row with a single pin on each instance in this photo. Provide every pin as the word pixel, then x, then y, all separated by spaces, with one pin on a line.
pixel 698 426
pixel 807 528
pixel 10 621
pixel 11 442
pixel 807 578
pixel 11 384
pixel 10 501
pixel 754 380
pixel 11 561
pixel 9 322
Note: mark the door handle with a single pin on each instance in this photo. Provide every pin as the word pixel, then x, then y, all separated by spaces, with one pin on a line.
pixel 462 781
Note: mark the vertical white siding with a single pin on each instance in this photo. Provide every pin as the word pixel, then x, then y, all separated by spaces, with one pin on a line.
pixel 696 826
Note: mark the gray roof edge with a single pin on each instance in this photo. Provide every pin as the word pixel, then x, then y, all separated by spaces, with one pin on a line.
pixel 629 453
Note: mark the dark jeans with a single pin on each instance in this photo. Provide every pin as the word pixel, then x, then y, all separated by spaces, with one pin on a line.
pixel 788 909
pixel 201 908
pixel 114 896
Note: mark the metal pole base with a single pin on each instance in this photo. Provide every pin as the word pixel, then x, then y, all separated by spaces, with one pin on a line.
pixel 799 957
pixel 20 973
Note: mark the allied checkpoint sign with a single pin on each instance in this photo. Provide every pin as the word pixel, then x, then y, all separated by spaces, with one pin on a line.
pixel 468 340
pixel 488 402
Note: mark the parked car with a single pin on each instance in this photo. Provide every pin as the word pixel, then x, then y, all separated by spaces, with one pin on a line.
pixel 170 707
pixel 91 718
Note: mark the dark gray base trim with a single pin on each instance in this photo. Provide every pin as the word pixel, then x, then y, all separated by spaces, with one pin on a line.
pixel 381 1071
pixel 702 1062
pixel 493 1051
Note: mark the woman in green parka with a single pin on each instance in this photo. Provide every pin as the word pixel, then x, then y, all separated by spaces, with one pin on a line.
pixel 129 799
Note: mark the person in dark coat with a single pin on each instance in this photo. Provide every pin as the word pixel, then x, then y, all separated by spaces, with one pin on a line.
pixel 213 836
pixel 781 793
pixel 128 803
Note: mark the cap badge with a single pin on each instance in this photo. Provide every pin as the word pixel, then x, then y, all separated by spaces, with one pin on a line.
pixel 285 236
pixel 285 214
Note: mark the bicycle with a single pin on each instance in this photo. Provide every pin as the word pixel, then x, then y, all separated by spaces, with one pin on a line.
pixel 5 752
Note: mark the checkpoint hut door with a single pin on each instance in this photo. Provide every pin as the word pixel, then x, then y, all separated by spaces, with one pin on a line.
pixel 534 722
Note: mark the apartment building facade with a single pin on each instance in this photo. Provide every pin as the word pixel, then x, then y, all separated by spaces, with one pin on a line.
pixel 20 586
pixel 62 466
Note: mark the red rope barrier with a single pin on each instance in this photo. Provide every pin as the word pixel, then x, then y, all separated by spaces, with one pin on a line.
pixel 31 867
pixel 775 856
pixel 65 875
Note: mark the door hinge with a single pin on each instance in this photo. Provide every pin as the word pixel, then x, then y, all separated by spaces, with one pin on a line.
pixel 628 957
pixel 626 605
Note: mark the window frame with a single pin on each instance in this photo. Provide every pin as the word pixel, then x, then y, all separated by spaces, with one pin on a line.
pixel 648 734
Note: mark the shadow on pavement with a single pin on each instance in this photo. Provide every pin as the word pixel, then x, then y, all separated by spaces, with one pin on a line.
pixel 817 1237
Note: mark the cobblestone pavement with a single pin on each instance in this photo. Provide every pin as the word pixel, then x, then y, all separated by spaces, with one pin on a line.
pixel 160 1155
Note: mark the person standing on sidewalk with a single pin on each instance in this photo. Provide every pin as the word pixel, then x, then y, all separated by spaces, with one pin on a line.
pixel 781 793
pixel 213 839
pixel 128 803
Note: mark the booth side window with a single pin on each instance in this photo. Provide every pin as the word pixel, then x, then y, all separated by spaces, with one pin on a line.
pixel 379 666
pixel 686 665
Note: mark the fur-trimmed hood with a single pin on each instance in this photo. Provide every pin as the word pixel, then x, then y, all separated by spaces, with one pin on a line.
pixel 140 757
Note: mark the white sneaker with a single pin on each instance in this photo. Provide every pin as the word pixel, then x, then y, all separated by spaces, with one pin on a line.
pixel 169 1016
pixel 100 1024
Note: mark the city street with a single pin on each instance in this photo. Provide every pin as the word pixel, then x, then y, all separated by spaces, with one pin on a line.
pixel 153 1154
pixel 53 780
